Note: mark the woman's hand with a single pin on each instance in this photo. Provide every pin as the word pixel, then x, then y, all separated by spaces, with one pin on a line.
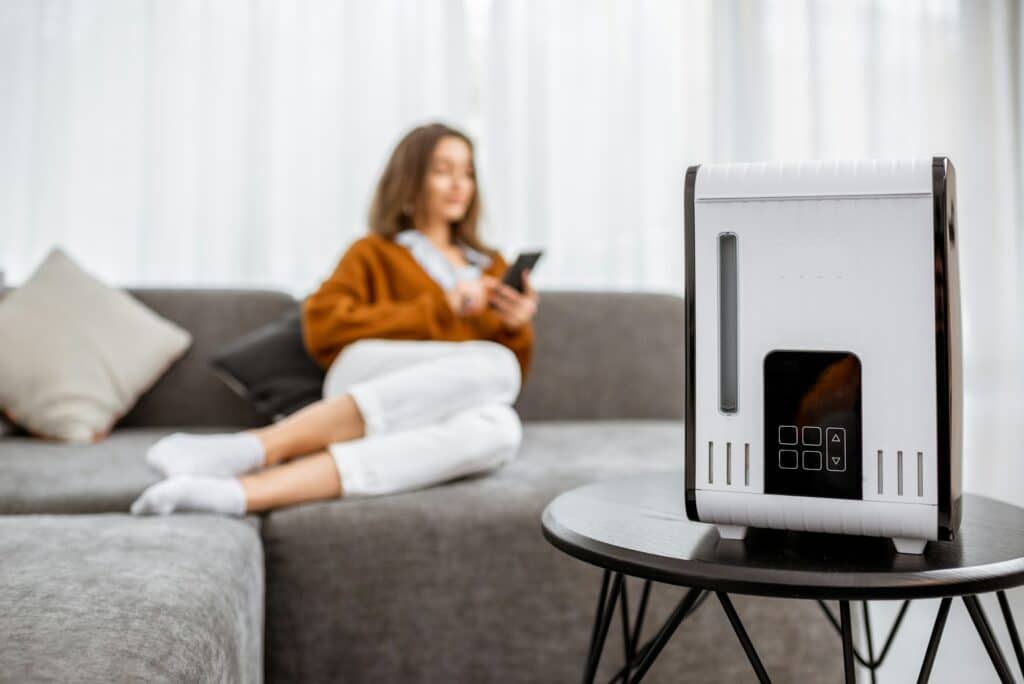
pixel 515 309
pixel 468 297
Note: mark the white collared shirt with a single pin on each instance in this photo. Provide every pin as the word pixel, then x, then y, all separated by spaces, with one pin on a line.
pixel 437 265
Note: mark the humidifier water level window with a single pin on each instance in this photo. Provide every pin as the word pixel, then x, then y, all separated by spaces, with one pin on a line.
pixel 824 374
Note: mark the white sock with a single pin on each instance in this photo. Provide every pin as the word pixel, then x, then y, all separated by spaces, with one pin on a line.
pixel 190 493
pixel 225 455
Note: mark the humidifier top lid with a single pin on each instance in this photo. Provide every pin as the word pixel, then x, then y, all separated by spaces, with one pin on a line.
pixel 814 179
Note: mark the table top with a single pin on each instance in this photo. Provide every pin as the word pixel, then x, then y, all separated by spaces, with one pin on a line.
pixel 637 525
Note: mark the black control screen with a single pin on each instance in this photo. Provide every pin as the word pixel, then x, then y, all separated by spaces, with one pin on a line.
pixel 812 424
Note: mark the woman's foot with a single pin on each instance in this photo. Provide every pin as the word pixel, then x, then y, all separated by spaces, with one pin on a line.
pixel 225 455
pixel 190 493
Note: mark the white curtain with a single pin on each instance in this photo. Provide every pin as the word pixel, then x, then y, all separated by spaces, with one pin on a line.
pixel 592 111
pixel 219 142
pixel 236 142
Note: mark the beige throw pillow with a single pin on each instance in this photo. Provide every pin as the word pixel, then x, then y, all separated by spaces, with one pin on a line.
pixel 75 354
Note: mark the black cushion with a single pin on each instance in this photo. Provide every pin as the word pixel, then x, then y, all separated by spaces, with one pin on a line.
pixel 270 368
pixel 7 427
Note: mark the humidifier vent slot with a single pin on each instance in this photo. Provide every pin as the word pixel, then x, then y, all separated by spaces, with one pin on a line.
pixel 899 473
pixel 880 471
pixel 728 342
pixel 711 462
pixel 746 464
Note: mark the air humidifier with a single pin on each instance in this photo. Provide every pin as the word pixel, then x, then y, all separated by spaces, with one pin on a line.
pixel 823 360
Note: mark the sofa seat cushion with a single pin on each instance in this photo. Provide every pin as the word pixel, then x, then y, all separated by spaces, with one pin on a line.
pixel 48 477
pixel 105 598
pixel 456 583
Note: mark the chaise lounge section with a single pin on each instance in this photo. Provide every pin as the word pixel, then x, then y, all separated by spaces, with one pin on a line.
pixel 109 598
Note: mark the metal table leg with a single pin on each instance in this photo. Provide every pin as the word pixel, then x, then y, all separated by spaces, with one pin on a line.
pixel 637 661
pixel 665 633
pixel 603 619
pixel 1011 627
pixel 871 662
pixel 741 633
pixel 870 639
pixel 627 642
pixel 933 642
pixel 598 618
pixel 987 638
pixel 633 638
pixel 849 669
pixel 640 612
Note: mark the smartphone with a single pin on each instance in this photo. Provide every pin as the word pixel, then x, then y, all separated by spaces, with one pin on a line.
pixel 524 262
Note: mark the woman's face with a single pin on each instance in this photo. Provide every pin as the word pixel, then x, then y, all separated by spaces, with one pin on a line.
pixel 450 181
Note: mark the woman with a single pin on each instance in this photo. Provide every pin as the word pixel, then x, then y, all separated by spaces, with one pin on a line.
pixel 425 351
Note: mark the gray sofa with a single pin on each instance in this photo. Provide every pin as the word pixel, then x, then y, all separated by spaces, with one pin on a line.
pixel 453 583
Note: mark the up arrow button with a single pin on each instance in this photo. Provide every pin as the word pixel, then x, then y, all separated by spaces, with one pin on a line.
pixel 835 440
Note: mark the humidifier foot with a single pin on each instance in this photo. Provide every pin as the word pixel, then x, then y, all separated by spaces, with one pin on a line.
pixel 913 546
pixel 732 531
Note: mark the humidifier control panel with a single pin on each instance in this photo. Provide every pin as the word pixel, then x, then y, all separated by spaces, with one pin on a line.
pixel 812 423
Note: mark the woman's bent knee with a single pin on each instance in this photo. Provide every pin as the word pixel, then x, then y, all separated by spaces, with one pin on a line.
pixel 501 368
pixel 503 428
pixel 350 366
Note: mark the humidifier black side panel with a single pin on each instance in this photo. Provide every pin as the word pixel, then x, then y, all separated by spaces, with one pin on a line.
pixel 948 349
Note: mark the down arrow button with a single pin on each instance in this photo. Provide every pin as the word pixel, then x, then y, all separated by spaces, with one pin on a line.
pixel 835 445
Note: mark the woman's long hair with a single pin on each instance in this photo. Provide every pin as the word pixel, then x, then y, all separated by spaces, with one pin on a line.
pixel 399 191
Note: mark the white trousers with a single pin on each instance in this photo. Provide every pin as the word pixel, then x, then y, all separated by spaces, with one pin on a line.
pixel 433 411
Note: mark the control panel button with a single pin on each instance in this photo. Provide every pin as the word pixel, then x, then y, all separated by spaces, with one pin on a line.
pixel 812 459
pixel 835 449
pixel 787 459
pixel 811 435
pixel 787 434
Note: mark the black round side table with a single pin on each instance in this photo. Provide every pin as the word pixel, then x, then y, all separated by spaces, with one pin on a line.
pixel 636 526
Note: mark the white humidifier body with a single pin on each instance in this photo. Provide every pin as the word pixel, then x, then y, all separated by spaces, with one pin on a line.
pixel 823 360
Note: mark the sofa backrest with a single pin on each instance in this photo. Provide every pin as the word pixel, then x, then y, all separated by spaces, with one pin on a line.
pixel 598 355
pixel 603 355
pixel 189 393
